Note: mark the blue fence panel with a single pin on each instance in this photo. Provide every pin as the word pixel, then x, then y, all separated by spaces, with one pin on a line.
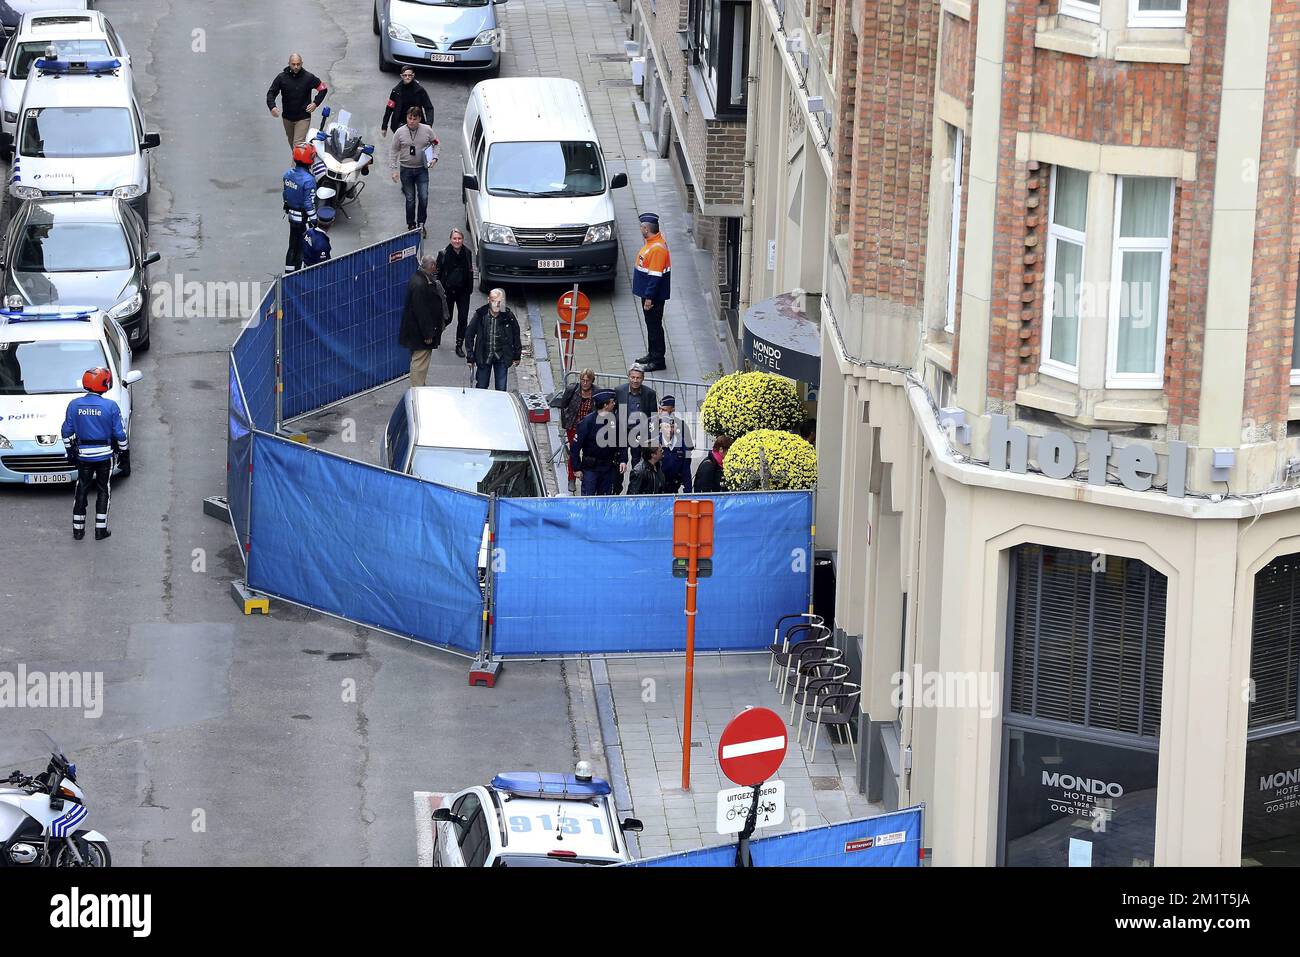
pixel 594 575
pixel 239 459
pixel 254 357
pixel 341 320
pixel 365 544
pixel 887 840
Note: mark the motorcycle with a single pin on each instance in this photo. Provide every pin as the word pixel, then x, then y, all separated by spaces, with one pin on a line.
pixel 41 817
pixel 343 160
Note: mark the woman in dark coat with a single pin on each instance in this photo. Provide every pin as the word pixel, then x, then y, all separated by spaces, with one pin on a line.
pixel 456 270
pixel 708 477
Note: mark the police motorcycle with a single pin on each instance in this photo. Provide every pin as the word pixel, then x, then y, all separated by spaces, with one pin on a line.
pixel 41 816
pixel 343 159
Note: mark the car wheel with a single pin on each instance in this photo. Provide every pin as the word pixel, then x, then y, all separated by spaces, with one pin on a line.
pixel 374 14
pixel 385 65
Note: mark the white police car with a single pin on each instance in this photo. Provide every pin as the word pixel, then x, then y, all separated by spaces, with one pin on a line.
pixel 43 354
pixel 532 819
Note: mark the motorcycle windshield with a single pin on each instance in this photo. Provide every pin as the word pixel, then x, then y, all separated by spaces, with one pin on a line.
pixel 27 751
pixel 343 143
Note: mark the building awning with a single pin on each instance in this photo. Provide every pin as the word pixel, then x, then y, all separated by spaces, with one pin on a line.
pixel 784 335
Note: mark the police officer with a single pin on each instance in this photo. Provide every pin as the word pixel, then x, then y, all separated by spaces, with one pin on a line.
pixel 595 447
pixel 316 241
pixel 93 423
pixel 651 283
pixel 299 202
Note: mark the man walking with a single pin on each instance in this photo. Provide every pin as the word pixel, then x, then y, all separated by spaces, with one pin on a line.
pixel 295 86
pixel 93 427
pixel 637 405
pixel 415 151
pixel 492 341
pixel 404 96
pixel 456 270
pixel 651 283
pixel 596 449
pixel 299 202
pixel 423 316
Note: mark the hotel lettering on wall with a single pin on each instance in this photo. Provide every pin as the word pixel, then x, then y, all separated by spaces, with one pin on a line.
pixel 1058 456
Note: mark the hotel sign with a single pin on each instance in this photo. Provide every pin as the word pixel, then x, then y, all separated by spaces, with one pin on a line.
pixel 1058 457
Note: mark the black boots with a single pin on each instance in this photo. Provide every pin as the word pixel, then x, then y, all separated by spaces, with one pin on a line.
pixel 460 348
pixel 78 534
pixel 101 534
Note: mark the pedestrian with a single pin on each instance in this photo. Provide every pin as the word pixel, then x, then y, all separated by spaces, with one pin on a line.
pixel 575 405
pixel 299 202
pixel 93 428
pixel 492 341
pixel 637 405
pixel 596 448
pixel 708 477
pixel 651 284
pixel 415 151
pixel 294 86
pixel 808 431
pixel 672 439
pixel 401 99
pixel 316 241
pixel 423 316
pixel 456 270
pixel 648 475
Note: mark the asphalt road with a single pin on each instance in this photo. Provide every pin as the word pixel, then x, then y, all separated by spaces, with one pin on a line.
pixel 227 740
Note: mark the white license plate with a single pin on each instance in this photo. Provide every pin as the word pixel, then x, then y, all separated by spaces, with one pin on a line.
pixel 441 58
pixel 550 264
pixel 49 478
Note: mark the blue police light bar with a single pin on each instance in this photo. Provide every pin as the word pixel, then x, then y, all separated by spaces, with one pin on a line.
pixel 545 784
pixel 77 66
pixel 49 314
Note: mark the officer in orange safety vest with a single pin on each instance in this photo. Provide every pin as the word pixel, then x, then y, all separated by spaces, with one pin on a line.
pixel 650 284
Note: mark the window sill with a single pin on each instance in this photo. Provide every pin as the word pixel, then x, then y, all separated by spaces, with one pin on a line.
pixel 1065 40
pixel 703 95
pixel 1153 52
pixel 940 353
pixel 1047 398
pixel 1139 411
pixel 958 8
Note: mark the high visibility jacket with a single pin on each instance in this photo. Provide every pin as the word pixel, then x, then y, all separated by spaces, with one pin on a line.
pixel 653 274
pixel 97 424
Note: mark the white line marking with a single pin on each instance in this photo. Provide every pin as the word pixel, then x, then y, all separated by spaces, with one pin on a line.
pixel 753 747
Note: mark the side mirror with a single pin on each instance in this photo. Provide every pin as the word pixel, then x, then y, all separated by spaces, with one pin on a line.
pixel 4 67
pixel 151 141
pixel 151 257
pixel 443 815
pixel 498 1
pixel 632 824
pixel 132 377
pixel 619 181
pixel 469 181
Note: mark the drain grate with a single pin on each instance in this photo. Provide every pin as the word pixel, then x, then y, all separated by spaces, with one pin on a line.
pixel 826 784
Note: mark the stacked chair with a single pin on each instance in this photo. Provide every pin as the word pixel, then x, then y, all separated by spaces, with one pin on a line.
pixel 805 663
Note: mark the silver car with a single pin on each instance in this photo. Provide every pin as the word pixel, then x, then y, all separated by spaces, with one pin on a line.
pixel 442 34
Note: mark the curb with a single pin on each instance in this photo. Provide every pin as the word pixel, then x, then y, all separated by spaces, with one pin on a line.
pixel 608 720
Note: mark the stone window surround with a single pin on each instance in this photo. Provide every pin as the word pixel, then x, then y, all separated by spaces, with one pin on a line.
pixel 1115 34
pixel 948 112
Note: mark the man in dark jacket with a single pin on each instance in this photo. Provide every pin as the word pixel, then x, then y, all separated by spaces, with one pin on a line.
pixel 456 270
pixel 648 475
pixel 423 316
pixel 671 437
pixel 637 405
pixel 405 95
pixel 295 86
pixel 596 449
pixel 492 341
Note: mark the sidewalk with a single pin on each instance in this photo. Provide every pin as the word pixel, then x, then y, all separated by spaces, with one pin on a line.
pixel 650 735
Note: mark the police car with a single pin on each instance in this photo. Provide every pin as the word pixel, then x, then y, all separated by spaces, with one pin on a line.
pixel 532 819
pixel 80 133
pixel 43 354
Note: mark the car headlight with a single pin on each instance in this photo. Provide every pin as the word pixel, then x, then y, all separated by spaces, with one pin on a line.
pixel 503 235
pixel 128 192
pixel 11 117
pixel 5 443
pixel 126 307
pixel 486 37
pixel 19 191
pixel 398 32
pixel 600 233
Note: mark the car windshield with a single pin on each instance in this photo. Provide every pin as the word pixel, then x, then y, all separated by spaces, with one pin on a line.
pixel 507 474
pixel 83 49
pixel 545 169
pixel 539 860
pixel 72 247
pixel 47 367
pixel 77 132
pixel 454 3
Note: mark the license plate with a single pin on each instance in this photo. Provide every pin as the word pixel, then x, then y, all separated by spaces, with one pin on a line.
pixel 550 264
pixel 50 478
pixel 441 58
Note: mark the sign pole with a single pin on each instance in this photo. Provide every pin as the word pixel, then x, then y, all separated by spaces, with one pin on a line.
pixel 573 318
pixel 692 569
pixel 751 821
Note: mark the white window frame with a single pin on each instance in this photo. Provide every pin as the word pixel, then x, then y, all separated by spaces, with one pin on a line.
pixel 954 227
pixel 1081 11
pixel 1140 19
pixel 1047 364
pixel 1134 380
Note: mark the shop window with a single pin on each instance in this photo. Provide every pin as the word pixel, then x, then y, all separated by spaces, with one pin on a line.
pixel 1139 296
pixel 1063 289
pixel 1080 755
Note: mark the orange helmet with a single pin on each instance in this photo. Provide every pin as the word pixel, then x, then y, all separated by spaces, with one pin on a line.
pixel 97 380
pixel 304 153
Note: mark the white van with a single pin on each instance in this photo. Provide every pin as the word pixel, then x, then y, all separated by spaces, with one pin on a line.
pixel 537 196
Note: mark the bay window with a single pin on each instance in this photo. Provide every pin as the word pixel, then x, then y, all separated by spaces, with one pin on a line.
pixel 1139 297
pixel 1063 291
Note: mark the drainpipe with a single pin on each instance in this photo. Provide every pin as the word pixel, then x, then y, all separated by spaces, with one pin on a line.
pixel 747 192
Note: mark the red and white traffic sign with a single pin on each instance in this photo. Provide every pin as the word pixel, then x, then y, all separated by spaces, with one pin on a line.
pixel 752 746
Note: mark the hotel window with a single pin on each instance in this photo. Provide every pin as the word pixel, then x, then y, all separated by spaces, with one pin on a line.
pixel 720 34
pixel 957 141
pixel 1063 288
pixel 1089 10
pixel 1157 13
pixel 1139 287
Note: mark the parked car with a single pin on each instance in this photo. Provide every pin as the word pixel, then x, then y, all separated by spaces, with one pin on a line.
pixel 92 251
pixel 445 34
pixel 11 11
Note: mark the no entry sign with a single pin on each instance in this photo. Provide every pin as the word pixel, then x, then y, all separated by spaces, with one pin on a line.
pixel 752 746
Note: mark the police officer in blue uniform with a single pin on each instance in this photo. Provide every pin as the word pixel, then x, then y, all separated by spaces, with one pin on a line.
pixel 316 241
pixel 299 202
pixel 595 447
pixel 93 423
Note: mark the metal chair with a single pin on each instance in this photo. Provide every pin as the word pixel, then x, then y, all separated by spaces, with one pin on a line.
pixel 810 665
pixel 810 648
pixel 781 653
pixel 780 647
pixel 836 710
pixel 819 675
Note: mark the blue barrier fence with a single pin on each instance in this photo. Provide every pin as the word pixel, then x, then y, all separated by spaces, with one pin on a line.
pixel 594 575
pixel 239 458
pixel 887 840
pixel 341 320
pixel 254 356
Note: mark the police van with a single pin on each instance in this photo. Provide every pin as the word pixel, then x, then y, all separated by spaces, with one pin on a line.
pixel 80 133
pixel 43 354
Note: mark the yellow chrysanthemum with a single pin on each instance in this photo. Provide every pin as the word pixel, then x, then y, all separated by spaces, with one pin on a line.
pixel 791 462
pixel 744 402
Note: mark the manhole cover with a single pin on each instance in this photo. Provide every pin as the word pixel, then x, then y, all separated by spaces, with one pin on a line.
pixel 826 784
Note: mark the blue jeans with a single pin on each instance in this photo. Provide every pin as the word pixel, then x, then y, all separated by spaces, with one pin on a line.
pixel 483 372
pixel 415 181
